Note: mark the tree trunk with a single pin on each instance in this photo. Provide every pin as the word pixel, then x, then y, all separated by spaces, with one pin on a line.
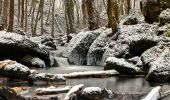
pixel 113 14
pixel 19 13
pixel 92 20
pixel 26 14
pixel 84 12
pixel 11 16
pixel 42 17
pixel 53 18
pixel 22 15
pixel 5 13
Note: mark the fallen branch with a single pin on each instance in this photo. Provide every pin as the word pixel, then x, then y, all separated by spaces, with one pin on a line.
pixel 94 74
pixel 73 91
pixel 52 90
pixel 154 94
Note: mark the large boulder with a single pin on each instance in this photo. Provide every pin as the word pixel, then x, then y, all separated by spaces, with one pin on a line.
pixel 79 46
pixel 132 40
pixel 96 50
pixel 157 62
pixel 122 66
pixel 45 40
pixel 152 8
pixel 14 70
pixel 14 46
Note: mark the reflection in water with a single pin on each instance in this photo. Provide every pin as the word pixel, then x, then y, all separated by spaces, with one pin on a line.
pixel 119 85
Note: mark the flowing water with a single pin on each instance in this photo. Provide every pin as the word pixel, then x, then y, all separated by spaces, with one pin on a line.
pixel 124 84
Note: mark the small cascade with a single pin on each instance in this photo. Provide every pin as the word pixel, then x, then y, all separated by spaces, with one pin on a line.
pixel 62 62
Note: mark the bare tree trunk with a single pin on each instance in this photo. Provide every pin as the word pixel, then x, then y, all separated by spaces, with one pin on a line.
pixel 19 12
pixel 113 15
pixel 11 16
pixel 49 12
pixel 92 20
pixel 26 14
pixel 53 18
pixel 0 12
pixel 22 15
pixel 42 17
pixel 5 13
pixel 84 12
pixel 32 19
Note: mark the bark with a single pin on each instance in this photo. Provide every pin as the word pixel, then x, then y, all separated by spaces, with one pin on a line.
pixel 5 13
pixel 19 13
pixel 11 16
pixel 52 90
pixel 42 17
pixel 92 20
pixel 113 15
pixel 32 19
pixel 53 18
pixel 73 91
pixel 22 14
pixel 69 16
pixel 84 12
pixel 26 14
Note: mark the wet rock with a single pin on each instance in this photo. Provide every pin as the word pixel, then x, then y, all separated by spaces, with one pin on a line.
pixel 9 94
pixel 32 61
pixel 96 93
pixel 122 66
pixel 156 61
pixel 14 70
pixel 45 78
pixel 45 40
pixel 14 46
pixel 96 50
pixel 79 46
pixel 152 8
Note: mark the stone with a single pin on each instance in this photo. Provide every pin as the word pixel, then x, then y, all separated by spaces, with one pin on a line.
pixel 79 46
pixel 14 70
pixel 164 17
pixel 122 66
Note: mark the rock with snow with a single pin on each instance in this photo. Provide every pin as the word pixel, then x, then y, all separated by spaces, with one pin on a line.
pixel 164 17
pixel 14 70
pixel 14 46
pixel 73 92
pixel 7 93
pixel 32 61
pixel 45 78
pixel 132 40
pixel 134 60
pixel 96 50
pixel 133 18
pixel 157 62
pixel 122 66
pixel 152 8
pixel 154 94
pixel 79 46
pixel 45 40
pixel 96 93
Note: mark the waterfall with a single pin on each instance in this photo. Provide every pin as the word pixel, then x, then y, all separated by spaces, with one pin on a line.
pixel 62 62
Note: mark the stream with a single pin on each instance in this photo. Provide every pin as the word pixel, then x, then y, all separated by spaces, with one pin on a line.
pixel 121 84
